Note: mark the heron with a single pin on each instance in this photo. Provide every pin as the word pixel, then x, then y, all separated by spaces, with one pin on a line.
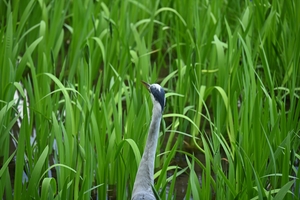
pixel 144 181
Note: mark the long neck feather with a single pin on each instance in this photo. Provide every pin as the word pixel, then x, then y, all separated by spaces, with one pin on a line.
pixel 144 177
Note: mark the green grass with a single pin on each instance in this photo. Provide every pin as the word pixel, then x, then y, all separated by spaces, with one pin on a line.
pixel 230 69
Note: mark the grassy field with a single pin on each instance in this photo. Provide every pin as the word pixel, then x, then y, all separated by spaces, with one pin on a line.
pixel 74 116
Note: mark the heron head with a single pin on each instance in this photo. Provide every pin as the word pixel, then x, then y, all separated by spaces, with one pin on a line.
pixel 157 92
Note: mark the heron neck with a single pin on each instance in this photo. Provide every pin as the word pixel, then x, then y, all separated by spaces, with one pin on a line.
pixel 144 178
pixel 151 144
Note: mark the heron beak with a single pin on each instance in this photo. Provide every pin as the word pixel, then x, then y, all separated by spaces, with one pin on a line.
pixel 147 85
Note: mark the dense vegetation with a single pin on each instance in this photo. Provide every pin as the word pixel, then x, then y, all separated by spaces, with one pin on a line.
pixel 74 115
